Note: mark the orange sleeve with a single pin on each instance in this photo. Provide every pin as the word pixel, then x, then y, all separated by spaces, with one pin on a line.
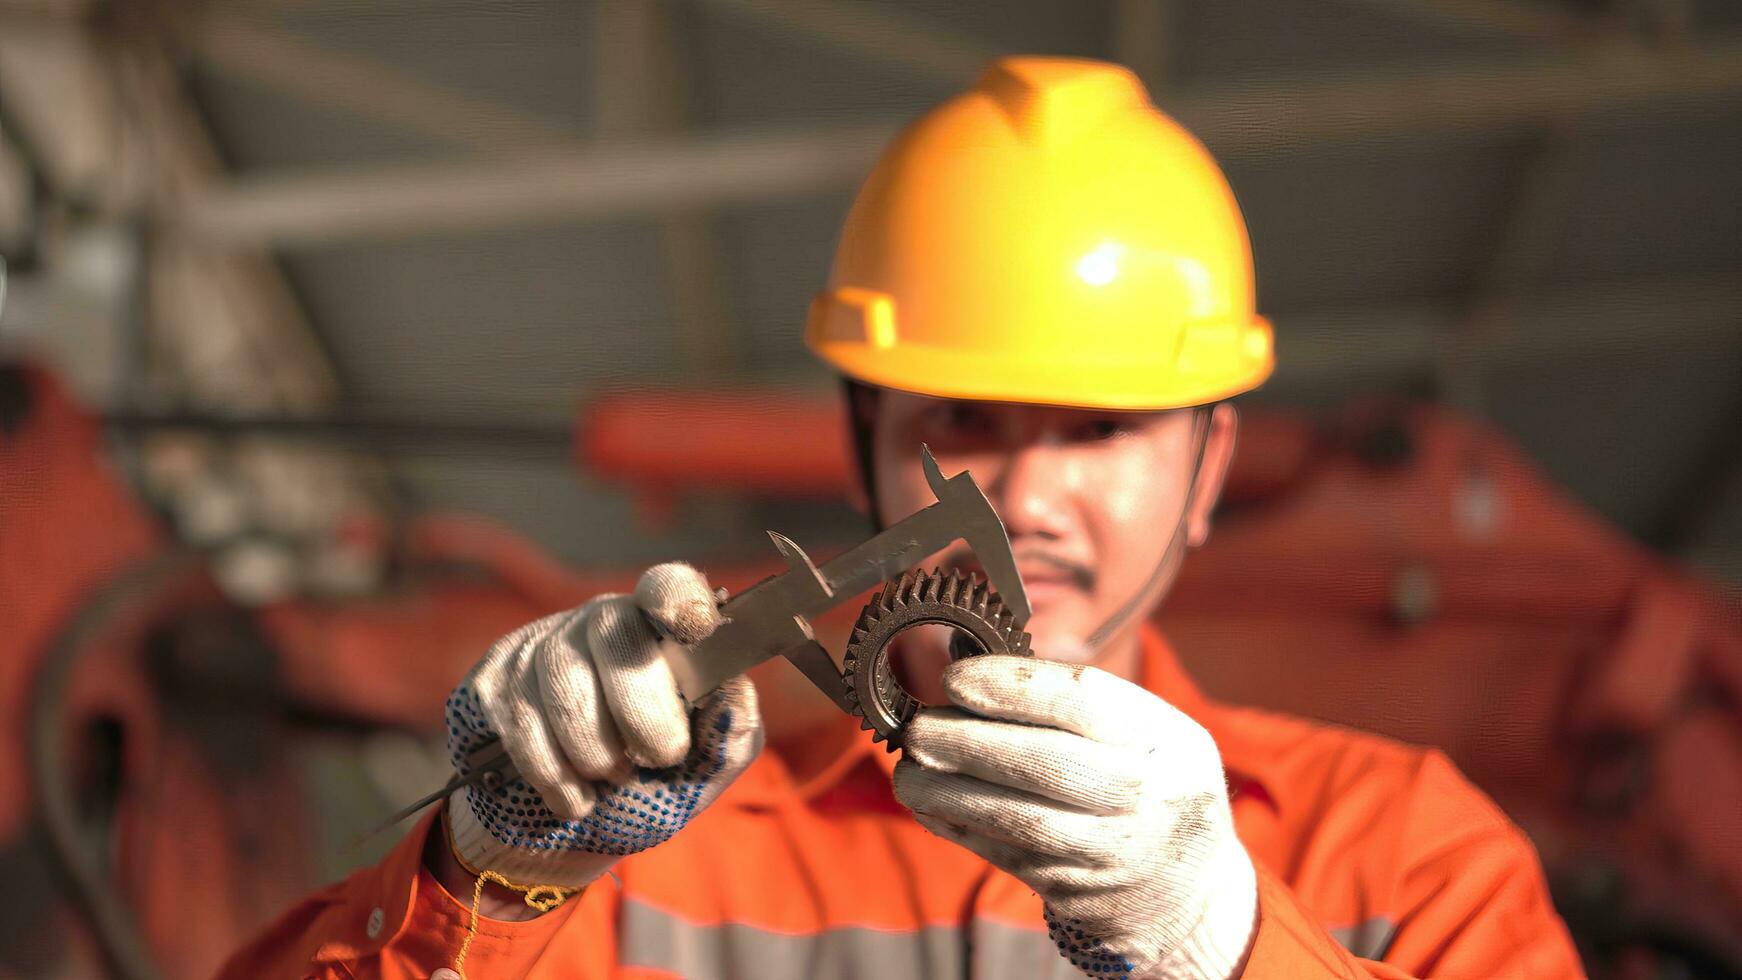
pixel 319 939
pixel 1473 899
pixel 394 921
pixel 1470 896
pixel 1291 943
pixel 286 948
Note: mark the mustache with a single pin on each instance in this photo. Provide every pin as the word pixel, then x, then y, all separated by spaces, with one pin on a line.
pixel 1078 574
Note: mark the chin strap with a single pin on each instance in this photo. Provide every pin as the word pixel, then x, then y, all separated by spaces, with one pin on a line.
pixel 1175 546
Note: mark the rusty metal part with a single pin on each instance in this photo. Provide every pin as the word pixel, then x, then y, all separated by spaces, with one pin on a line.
pixel 965 603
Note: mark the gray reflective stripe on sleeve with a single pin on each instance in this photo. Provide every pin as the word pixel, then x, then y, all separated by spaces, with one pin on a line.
pixel 1010 951
pixel 1369 940
pixel 654 938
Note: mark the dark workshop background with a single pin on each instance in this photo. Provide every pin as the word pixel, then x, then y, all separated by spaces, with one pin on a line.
pixel 339 337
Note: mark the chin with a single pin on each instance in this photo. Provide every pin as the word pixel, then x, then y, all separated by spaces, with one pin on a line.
pixel 1055 640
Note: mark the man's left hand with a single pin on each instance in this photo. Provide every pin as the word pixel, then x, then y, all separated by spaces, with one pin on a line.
pixel 1106 800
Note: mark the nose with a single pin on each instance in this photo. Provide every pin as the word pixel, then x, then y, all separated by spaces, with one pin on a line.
pixel 1032 492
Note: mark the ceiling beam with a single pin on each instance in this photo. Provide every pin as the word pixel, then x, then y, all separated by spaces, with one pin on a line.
pixel 655 176
pixel 1514 19
pixel 29 12
pixel 864 28
pixel 1327 352
pixel 1335 352
pixel 233 301
pixel 57 93
pixel 640 89
pixel 1331 349
pixel 1599 87
pixel 637 92
pixel 237 47
pixel 634 178
pixel 1143 38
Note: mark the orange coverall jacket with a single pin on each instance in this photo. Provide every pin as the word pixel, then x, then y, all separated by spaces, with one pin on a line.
pixel 1374 859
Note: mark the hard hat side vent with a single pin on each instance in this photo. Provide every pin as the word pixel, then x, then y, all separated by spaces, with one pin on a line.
pixel 852 315
pixel 1053 100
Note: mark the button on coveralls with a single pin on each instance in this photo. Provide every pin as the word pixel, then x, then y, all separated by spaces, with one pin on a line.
pixel 1374 859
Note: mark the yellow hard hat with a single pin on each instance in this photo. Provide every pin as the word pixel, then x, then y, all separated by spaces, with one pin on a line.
pixel 1049 237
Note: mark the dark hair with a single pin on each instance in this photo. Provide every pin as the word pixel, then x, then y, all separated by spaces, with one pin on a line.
pixel 861 416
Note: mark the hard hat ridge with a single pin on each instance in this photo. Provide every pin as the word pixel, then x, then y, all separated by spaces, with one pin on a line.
pixel 1052 100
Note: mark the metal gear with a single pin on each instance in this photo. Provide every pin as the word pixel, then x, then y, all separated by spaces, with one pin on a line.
pixel 967 603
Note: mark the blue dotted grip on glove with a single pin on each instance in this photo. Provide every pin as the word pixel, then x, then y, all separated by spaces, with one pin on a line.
pixel 647 810
pixel 1087 953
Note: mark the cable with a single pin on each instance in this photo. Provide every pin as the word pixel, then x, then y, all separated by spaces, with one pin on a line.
pixel 1201 418
pixel 117 934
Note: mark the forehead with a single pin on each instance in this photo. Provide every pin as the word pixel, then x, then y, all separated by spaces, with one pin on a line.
pixel 897 405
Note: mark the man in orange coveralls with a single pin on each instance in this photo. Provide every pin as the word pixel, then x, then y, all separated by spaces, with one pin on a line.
pixel 1048 282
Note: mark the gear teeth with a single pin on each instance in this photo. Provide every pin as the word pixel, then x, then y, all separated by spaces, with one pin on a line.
pixel 897 593
pixel 965 601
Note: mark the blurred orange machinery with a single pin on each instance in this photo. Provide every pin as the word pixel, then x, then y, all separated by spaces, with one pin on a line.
pixel 127 803
pixel 1397 569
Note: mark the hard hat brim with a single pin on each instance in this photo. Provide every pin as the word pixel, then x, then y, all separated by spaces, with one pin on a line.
pixel 1143 381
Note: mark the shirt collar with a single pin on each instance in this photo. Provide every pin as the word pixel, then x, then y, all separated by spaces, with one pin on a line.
pixel 386 892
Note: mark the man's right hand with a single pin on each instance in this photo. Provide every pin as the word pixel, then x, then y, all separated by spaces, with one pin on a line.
pixel 610 759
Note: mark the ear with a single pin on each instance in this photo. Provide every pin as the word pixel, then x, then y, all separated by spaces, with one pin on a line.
pixel 1212 472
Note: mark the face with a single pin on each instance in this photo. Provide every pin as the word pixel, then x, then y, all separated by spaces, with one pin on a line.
pixel 1090 499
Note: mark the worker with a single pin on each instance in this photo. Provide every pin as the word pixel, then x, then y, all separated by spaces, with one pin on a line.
pixel 1047 281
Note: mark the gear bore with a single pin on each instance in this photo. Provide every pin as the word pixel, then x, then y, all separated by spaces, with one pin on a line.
pixel 965 603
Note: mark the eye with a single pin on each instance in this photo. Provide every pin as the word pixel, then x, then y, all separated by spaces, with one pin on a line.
pixel 964 418
pixel 1102 429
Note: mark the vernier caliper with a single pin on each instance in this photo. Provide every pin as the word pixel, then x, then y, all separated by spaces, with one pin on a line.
pixel 773 617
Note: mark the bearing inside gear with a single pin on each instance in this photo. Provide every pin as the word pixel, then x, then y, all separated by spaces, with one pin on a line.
pixel 965 602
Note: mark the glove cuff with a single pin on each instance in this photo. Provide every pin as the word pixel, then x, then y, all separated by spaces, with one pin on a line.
pixel 1216 945
pixel 528 866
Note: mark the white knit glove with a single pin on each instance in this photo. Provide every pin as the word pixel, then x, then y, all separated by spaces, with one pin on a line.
pixel 1106 800
pixel 611 760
